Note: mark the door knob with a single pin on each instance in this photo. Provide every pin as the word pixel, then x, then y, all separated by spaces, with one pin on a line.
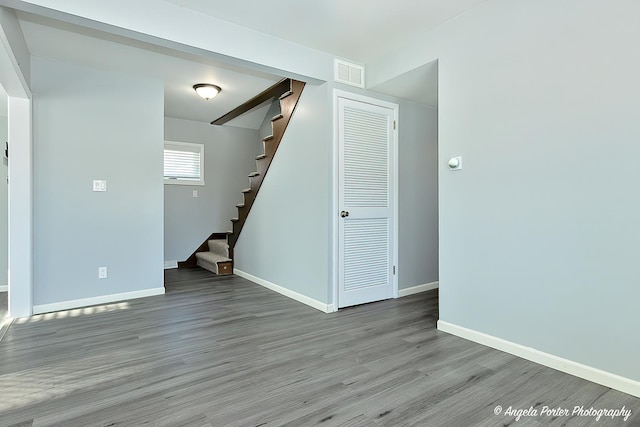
pixel 344 214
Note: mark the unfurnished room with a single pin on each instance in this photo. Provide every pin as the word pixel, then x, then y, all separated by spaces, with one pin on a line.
pixel 337 213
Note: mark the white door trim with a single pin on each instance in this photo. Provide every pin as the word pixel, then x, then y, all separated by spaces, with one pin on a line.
pixel 337 93
pixel 13 47
pixel 20 208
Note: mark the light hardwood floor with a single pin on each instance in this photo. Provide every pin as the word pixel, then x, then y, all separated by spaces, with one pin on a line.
pixel 222 351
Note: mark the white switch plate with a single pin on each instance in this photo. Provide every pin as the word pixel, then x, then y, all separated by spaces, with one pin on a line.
pixel 99 185
pixel 102 272
pixel 195 193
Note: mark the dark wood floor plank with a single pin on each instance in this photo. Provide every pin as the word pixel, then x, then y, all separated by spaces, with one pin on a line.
pixel 222 351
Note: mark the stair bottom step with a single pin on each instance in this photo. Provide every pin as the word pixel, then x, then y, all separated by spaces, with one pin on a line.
pixel 215 263
pixel 212 257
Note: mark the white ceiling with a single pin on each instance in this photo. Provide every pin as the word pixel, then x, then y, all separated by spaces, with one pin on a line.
pixel 360 30
pixel 178 71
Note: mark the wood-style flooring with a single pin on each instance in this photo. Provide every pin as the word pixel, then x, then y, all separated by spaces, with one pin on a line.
pixel 222 351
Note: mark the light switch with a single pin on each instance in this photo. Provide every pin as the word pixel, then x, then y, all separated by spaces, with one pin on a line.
pixel 99 185
pixel 195 193
pixel 102 272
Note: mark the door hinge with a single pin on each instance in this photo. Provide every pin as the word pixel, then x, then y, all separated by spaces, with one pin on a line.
pixel 394 125
pixel 394 270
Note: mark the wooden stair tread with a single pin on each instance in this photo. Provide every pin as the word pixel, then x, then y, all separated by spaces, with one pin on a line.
pixel 235 219
pixel 252 174
pixel 267 138
pixel 277 117
pixel 287 93
pixel 247 190
pixel 240 205
pixel 261 156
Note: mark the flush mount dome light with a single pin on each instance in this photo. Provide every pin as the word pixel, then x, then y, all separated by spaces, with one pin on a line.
pixel 206 90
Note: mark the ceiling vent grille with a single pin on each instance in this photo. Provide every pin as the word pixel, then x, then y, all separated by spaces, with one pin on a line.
pixel 348 73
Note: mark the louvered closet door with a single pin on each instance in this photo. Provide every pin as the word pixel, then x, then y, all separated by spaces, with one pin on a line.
pixel 366 202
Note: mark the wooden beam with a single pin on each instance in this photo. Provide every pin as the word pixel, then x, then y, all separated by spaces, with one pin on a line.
pixel 276 90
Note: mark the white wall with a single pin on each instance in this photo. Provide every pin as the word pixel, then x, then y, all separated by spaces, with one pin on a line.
pixel 230 155
pixel 286 237
pixel 417 195
pixel 4 206
pixel 539 232
pixel 265 127
pixel 91 124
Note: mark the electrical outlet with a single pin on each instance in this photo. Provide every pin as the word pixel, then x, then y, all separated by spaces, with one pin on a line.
pixel 102 272
pixel 99 185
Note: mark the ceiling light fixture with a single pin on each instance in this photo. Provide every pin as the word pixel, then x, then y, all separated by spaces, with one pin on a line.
pixel 206 90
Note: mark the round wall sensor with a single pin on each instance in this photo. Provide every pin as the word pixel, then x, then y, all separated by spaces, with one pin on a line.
pixel 455 163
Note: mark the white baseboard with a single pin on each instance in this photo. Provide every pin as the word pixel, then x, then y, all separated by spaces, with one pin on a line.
pixel 597 376
pixel 417 289
pixel 326 308
pixel 4 288
pixel 170 264
pixel 104 299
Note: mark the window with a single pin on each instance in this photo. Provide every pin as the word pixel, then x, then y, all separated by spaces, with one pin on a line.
pixel 183 163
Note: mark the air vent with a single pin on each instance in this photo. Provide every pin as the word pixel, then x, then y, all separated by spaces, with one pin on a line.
pixel 348 73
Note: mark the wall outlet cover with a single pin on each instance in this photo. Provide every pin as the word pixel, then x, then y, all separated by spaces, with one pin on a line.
pixel 99 185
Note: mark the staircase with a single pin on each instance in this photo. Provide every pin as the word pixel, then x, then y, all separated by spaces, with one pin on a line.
pixel 288 101
pixel 219 257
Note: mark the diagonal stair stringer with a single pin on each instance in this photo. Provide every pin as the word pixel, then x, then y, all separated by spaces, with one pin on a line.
pixel 288 91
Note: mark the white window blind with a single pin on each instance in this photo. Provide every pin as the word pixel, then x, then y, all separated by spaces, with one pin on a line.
pixel 183 163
